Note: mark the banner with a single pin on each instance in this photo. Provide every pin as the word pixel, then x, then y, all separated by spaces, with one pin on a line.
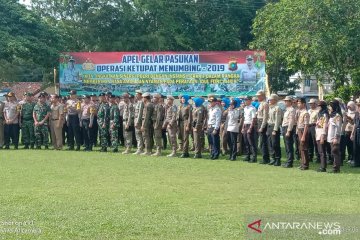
pixel 232 73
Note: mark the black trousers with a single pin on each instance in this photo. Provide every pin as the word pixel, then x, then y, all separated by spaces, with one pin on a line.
pixel 289 145
pixel 11 131
pixel 74 131
pixel 87 133
pixel 96 130
pixel 297 143
pixel 274 143
pixel 214 142
pixel 312 144
pixel 164 138
pixel 335 150
pixel 232 143
pixel 121 132
pixel 264 143
pixel 349 146
pixel 250 143
pixel 322 153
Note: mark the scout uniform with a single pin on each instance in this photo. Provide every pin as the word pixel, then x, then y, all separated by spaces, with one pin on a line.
pixel 273 131
pixel 147 124
pixel 302 123
pixel 114 124
pixel 334 133
pixel 158 120
pixel 312 134
pixel 262 117
pixel 288 133
pixel 27 123
pixel 321 131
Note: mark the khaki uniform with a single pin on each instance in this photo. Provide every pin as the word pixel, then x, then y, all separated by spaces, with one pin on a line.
pixel 158 118
pixel 262 118
pixel 274 124
pixel 138 114
pixel 303 121
pixel 287 125
pixel 171 126
pixel 184 122
pixel 128 125
pixel 147 126
pixel 198 119
pixel 312 135
pixel 223 132
pixel 56 125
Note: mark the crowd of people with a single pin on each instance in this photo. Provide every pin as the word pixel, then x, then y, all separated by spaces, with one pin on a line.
pixel 145 122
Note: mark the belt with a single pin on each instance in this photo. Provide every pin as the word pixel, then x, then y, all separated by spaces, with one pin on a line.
pixel 53 119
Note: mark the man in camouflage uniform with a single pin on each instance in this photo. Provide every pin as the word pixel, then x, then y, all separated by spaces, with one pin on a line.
pixel 139 107
pixel 114 123
pixel 103 122
pixel 170 124
pixel 27 121
pixel 41 115
pixel 128 123
pixel 158 120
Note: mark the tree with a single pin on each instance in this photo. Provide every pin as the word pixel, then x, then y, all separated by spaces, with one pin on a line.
pixel 317 37
pixel 28 46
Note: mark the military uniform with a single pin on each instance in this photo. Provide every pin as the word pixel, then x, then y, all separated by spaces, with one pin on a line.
pixel 158 120
pixel 114 126
pixel 302 123
pixel 27 124
pixel 103 118
pixel 171 126
pixel 139 108
pixel 128 125
pixel 273 132
pixel 288 134
pixel 41 113
pixel 147 125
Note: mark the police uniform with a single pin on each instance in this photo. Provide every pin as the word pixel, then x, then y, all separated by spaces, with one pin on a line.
pixel 147 125
pixel 249 133
pixel 171 126
pixel 233 129
pixel 312 134
pixel 103 119
pixel 158 121
pixel 138 114
pixel 11 116
pixel 73 107
pixel 27 123
pixel 302 125
pixel 128 123
pixel 87 123
pixel 273 131
pixel 41 114
pixel 288 133
pixel 198 118
pixel 262 118
pixel 213 129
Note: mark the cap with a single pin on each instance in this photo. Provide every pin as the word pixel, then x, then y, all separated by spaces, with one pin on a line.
pixel 157 95
pixel 321 103
pixel 212 99
pixel 146 95
pixel 248 98
pixel 260 93
pixel 102 94
pixel 73 92
pixel 288 98
pixel 313 100
pixel 11 94
pixel 249 57
pixel 138 91
pixel 274 97
pixel 170 97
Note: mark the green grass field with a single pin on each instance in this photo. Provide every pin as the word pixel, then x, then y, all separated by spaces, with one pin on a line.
pixel 76 195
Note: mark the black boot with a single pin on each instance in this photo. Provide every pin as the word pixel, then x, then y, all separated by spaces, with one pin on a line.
pixel 277 162
pixel 78 148
pixel 32 146
pixel 26 146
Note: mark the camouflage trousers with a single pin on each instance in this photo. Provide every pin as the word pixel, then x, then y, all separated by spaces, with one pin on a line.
pixel 114 137
pixel 128 135
pixel 27 132
pixel 42 135
pixel 158 139
pixel 139 139
pixel 103 135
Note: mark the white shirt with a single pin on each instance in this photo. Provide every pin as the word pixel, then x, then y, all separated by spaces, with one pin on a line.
pixel 232 120
pixel 249 114
pixel 214 117
pixel 334 128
